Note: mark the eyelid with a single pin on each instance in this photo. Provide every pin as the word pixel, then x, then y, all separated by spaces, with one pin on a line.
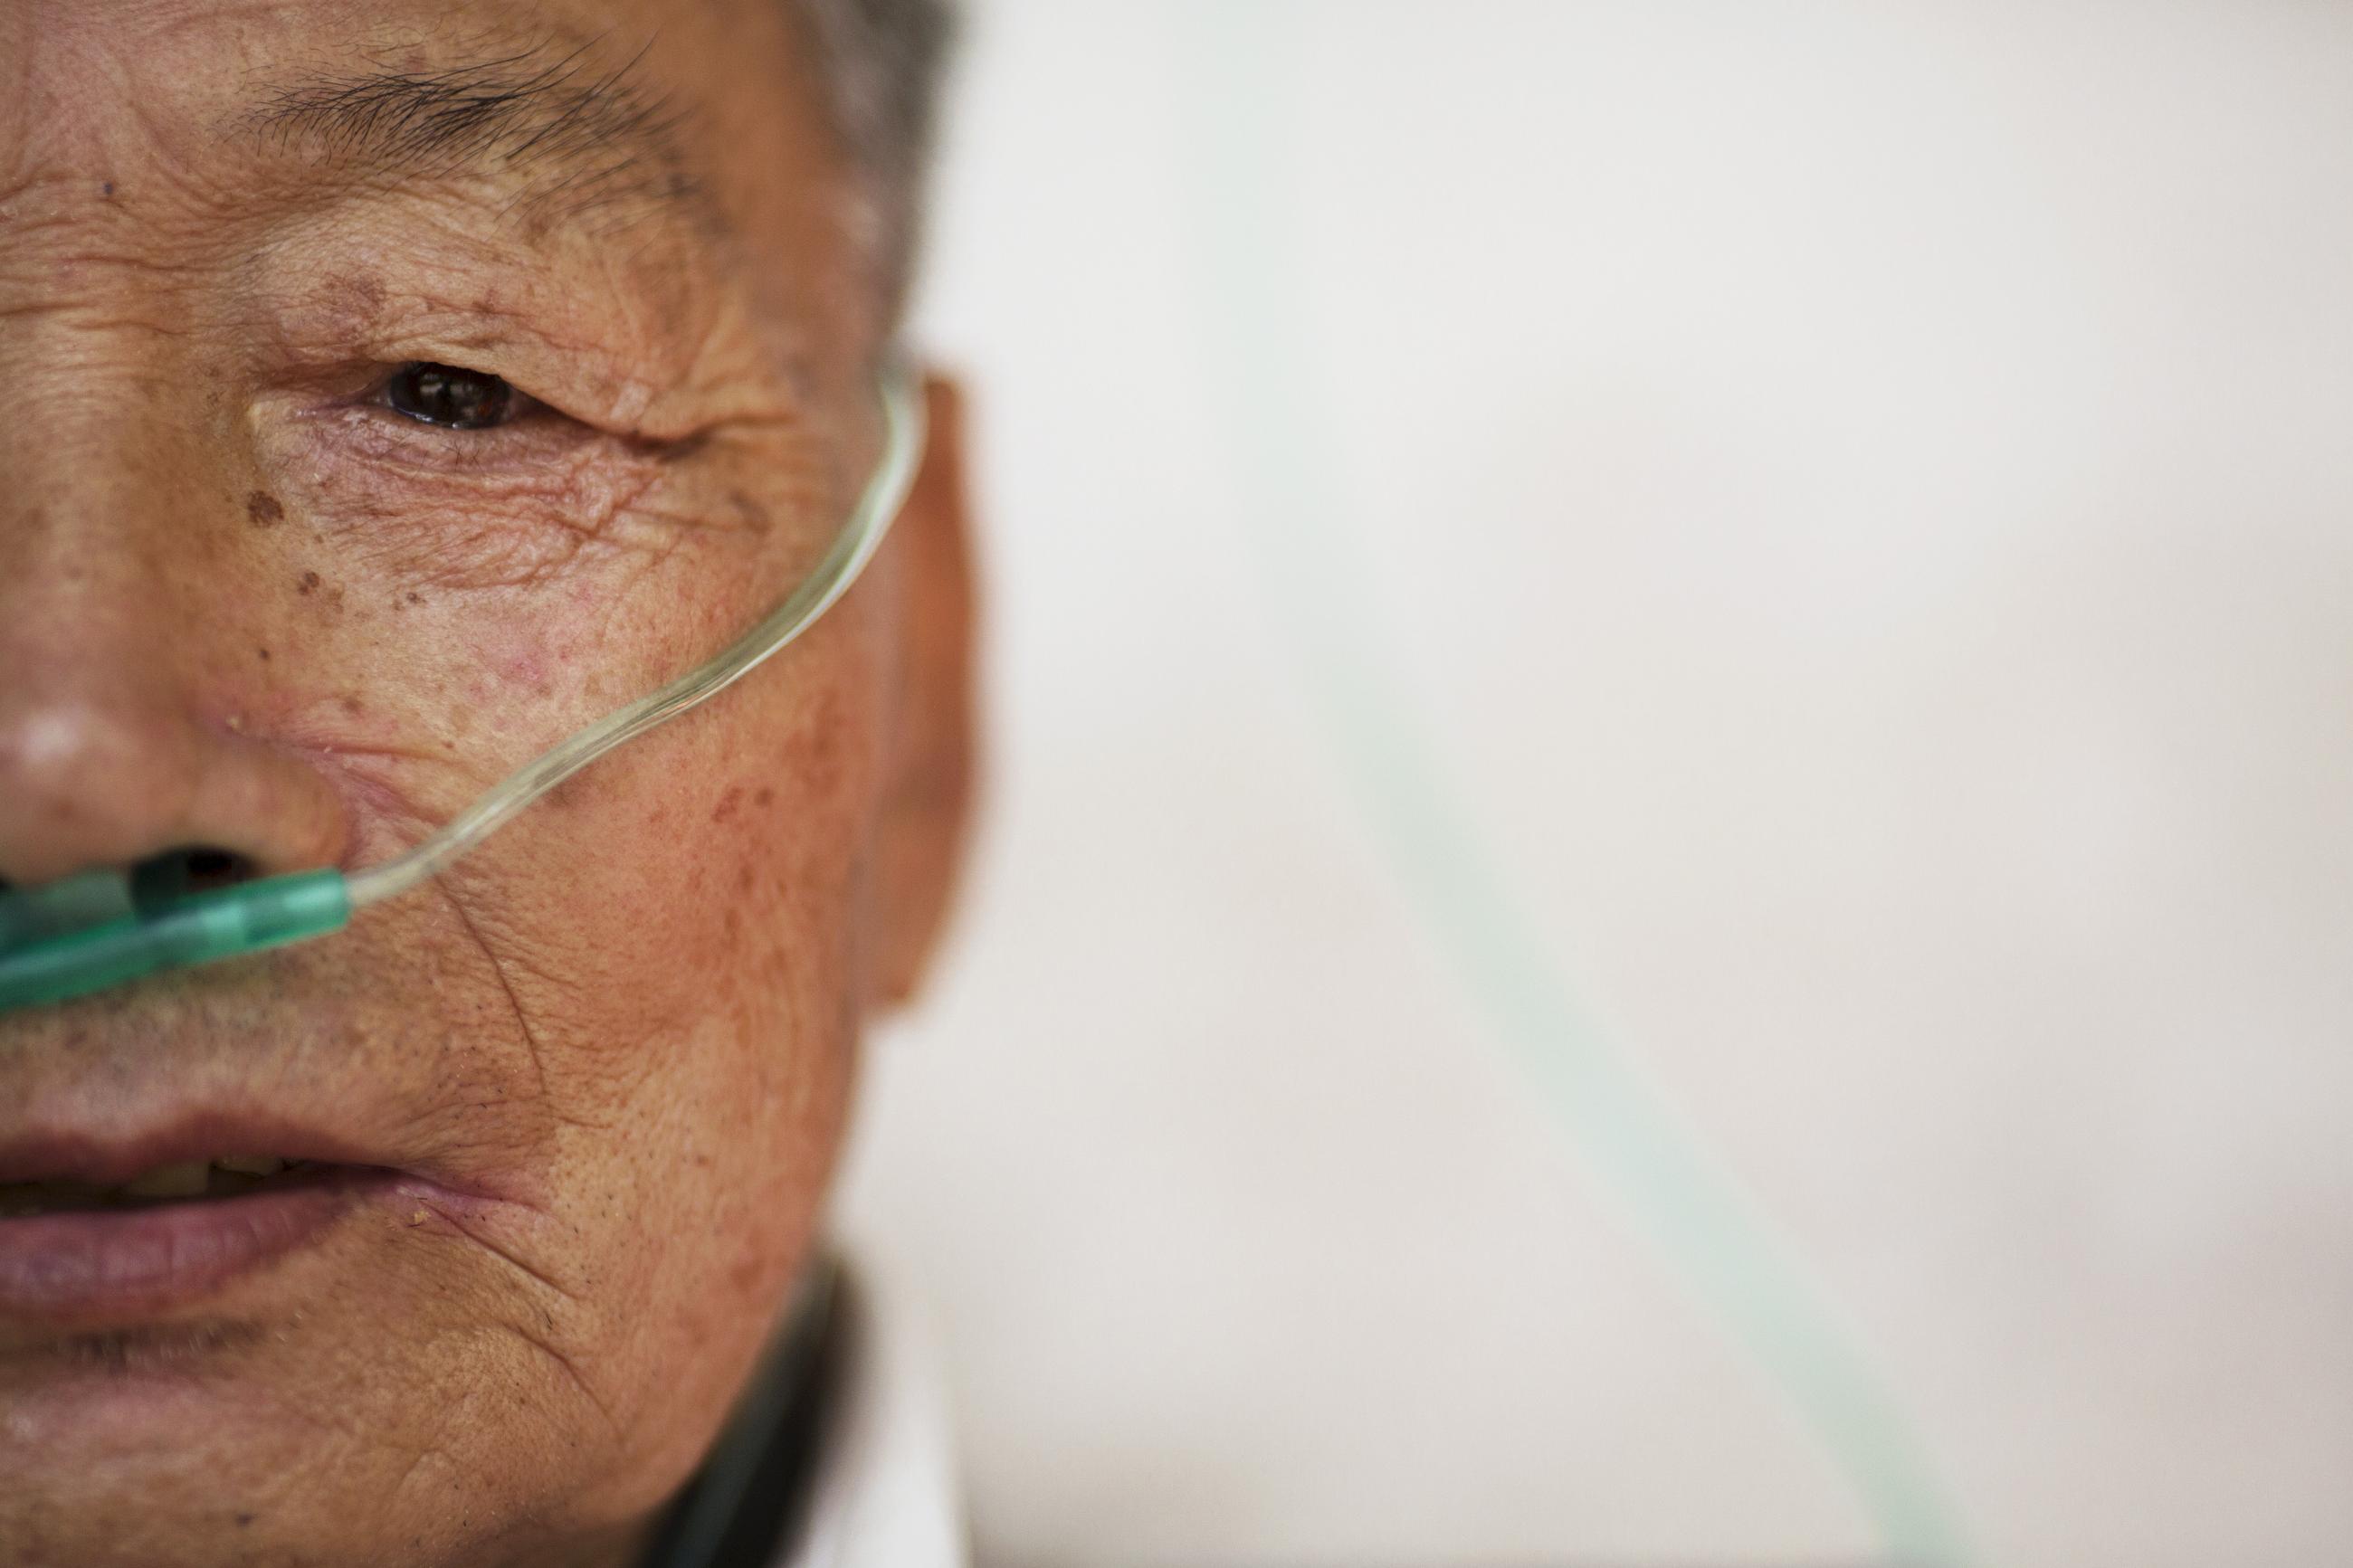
pixel 521 406
pixel 633 392
pixel 551 375
pixel 555 383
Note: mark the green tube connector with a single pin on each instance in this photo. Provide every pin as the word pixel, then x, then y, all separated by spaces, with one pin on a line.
pixel 86 933
pixel 98 928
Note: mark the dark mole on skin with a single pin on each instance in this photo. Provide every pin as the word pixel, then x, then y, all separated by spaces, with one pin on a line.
pixel 308 584
pixel 107 190
pixel 262 508
pixel 264 653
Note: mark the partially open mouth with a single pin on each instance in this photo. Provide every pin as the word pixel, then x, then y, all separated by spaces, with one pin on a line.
pixel 230 1176
pixel 81 1251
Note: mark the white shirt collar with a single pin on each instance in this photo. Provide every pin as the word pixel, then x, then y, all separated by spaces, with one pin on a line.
pixel 885 1492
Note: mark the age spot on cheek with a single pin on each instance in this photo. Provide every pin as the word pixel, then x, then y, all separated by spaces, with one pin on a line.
pixel 262 510
pixel 312 585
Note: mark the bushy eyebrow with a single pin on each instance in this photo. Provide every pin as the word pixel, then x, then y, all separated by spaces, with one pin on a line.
pixel 578 140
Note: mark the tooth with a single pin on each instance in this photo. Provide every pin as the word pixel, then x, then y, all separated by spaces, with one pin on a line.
pixel 251 1165
pixel 181 1181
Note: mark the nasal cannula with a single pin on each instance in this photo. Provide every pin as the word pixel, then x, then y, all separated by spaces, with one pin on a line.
pixel 103 928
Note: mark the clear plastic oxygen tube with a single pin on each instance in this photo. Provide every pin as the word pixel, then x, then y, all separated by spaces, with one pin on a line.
pixel 1252 67
pixel 101 929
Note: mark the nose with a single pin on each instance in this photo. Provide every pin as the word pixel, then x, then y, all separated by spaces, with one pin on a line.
pixel 129 729
pixel 91 779
pixel 116 748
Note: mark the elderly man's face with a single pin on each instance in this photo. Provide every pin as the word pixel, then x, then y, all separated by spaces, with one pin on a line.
pixel 269 587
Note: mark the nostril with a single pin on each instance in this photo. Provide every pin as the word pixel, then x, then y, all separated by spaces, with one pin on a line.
pixel 177 873
pixel 215 867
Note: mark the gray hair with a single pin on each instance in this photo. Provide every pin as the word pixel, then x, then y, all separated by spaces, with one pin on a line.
pixel 879 66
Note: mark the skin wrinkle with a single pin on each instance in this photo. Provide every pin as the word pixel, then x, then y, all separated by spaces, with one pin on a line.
pixel 426 1448
pixel 648 563
pixel 503 1254
pixel 603 486
pixel 418 321
pixel 94 323
pixel 428 1445
pixel 504 966
pixel 83 255
pixel 586 351
pixel 506 986
pixel 396 821
pixel 610 521
pixel 637 1132
pixel 604 143
pixel 572 1370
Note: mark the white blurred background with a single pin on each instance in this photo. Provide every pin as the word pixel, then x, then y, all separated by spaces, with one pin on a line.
pixel 1856 499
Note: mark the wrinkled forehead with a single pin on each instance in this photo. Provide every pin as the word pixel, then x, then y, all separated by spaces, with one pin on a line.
pixel 89 83
pixel 558 119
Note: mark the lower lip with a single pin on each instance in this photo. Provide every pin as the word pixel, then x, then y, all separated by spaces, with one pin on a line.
pixel 109 1262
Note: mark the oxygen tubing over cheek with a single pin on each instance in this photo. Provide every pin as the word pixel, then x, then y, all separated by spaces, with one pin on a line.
pixel 100 929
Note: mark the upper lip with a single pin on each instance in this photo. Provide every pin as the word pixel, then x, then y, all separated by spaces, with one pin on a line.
pixel 106 1159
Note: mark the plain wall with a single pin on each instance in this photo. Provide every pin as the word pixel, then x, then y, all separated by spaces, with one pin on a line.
pixel 1855 501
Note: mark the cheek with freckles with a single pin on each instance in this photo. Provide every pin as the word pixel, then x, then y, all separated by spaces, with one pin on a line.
pixel 635 1000
pixel 673 943
pixel 431 511
pixel 629 1019
pixel 670 938
pixel 637 1004
pixel 425 622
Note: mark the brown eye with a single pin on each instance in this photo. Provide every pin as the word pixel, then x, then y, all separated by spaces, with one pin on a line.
pixel 450 397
